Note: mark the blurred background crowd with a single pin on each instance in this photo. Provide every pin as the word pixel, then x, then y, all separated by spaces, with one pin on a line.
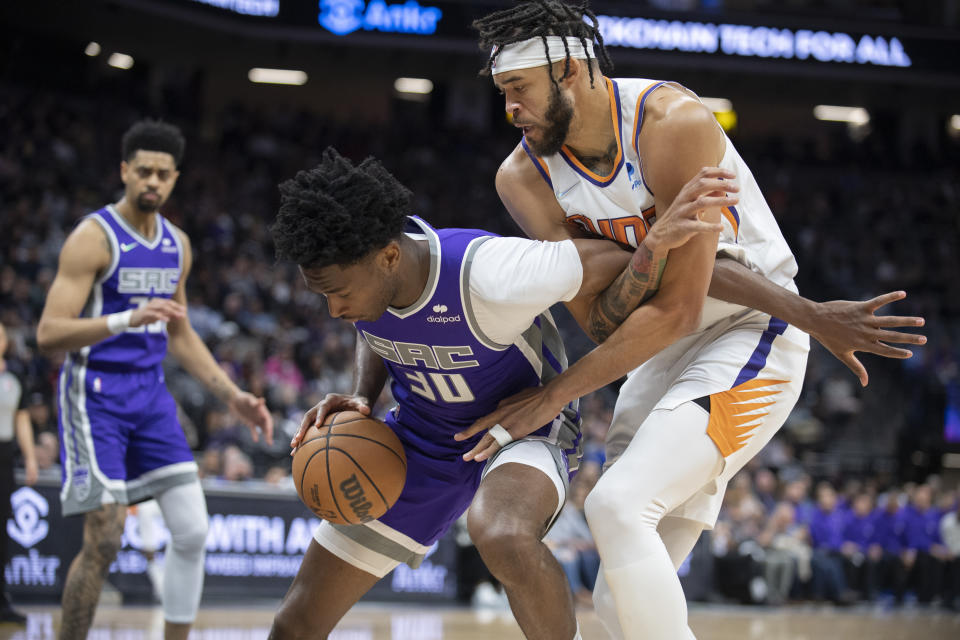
pixel 851 500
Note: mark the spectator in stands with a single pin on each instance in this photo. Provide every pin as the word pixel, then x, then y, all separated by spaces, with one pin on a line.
pixel 950 534
pixel 862 566
pixel 765 486
pixel 796 492
pixel 886 545
pixel 787 553
pixel 47 451
pixel 826 536
pixel 236 464
pixel 924 555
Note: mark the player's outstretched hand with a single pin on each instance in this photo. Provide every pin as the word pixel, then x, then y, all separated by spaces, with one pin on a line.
pixel 845 327
pixel 157 309
pixel 519 415
pixel 254 413
pixel 712 188
pixel 332 403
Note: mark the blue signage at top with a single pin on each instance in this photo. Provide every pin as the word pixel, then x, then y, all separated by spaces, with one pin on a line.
pixel 346 16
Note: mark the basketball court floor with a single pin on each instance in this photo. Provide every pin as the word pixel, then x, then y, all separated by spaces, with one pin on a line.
pixel 251 621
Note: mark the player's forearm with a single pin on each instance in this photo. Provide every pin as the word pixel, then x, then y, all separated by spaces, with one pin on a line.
pixel 71 334
pixel 369 373
pixel 637 284
pixel 646 332
pixel 733 282
pixel 192 354
pixel 25 436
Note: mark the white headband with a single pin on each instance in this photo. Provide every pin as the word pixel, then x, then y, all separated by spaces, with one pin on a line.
pixel 529 53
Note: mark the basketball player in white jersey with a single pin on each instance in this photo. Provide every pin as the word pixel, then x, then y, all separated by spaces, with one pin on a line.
pixel 713 376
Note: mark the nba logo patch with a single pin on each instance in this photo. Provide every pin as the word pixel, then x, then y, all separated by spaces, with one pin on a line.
pixel 97 385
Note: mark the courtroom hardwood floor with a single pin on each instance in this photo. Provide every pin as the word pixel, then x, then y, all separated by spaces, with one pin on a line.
pixel 251 621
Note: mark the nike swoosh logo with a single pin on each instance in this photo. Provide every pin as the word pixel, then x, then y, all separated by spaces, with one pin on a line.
pixel 128 247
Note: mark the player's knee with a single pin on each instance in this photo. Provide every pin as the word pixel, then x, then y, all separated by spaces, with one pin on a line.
pixel 616 506
pixel 602 503
pixel 191 536
pixel 506 547
pixel 104 549
pixel 103 537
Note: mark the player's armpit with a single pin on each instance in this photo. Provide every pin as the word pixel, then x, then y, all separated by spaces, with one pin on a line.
pixel 530 200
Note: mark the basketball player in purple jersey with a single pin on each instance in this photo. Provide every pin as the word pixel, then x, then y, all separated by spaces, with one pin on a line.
pixel 458 319
pixel 117 304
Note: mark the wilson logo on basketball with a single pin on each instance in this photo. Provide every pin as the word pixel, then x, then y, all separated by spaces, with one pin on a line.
pixel 352 490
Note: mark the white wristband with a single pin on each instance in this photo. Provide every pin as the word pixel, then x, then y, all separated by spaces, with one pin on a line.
pixel 119 322
pixel 501 435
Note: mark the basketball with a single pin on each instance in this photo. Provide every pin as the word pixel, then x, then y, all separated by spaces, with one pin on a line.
pixel 350 470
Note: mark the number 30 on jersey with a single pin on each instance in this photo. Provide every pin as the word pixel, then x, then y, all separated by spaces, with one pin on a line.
pixel 434 386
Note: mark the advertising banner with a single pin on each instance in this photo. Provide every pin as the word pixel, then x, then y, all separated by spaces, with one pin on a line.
pixel 254 547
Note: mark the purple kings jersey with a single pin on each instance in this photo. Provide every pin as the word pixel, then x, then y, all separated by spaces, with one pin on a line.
pixel 140 269
pixel 445 372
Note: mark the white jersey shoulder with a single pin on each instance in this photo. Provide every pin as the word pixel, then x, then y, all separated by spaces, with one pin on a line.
pixel 514 280
pixel 620 205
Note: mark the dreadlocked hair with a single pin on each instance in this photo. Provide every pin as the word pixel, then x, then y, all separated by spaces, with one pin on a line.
pixel 337 213
pixel 542 18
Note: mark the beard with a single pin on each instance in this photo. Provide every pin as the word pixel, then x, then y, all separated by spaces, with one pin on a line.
pixel 146 205
pixel 558 117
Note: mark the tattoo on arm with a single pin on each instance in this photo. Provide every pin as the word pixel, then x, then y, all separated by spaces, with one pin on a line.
pixel 219 387
pixel 637 284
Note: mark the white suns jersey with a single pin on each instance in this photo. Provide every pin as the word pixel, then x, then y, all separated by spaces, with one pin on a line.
pixel 620 206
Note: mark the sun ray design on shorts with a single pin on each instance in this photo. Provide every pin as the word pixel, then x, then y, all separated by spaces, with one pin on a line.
pixel 736 413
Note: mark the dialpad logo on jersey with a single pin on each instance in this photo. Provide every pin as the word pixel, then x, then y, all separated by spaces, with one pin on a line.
pixel 442 319
pixel 148 280
pixel 342 17
pixel 168 246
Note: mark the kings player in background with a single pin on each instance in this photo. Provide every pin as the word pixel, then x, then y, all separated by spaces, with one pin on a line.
pixel 117 305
